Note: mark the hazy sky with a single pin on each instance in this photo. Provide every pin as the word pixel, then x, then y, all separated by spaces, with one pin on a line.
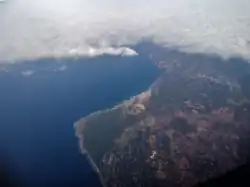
pixel 41 28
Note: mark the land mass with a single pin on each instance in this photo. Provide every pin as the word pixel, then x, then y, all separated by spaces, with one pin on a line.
pixel 191 125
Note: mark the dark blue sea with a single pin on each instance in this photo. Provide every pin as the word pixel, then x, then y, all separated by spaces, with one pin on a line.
pixel 41 99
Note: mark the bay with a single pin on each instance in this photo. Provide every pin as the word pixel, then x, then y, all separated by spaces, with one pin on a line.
pixel 40 100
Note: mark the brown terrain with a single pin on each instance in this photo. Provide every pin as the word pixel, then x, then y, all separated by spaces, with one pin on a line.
pixel 190 126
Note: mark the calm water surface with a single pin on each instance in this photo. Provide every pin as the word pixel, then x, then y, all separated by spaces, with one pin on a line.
pixel 40 101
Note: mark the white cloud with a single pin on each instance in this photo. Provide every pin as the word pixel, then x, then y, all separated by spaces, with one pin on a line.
pixel 61 68
pixel 43 29
pixel 27 73
pixel 92 52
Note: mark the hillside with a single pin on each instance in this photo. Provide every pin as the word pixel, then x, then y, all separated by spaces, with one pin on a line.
pixel 191 125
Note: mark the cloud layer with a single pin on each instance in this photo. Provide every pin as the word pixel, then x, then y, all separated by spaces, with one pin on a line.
pixel 54 28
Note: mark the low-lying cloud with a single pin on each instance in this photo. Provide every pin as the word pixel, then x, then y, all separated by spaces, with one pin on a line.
pixel 32 29
pixel 93 52
pixel 61 68
pixel 27 73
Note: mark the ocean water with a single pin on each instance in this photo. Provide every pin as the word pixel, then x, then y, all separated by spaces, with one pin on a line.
pixel 39 102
